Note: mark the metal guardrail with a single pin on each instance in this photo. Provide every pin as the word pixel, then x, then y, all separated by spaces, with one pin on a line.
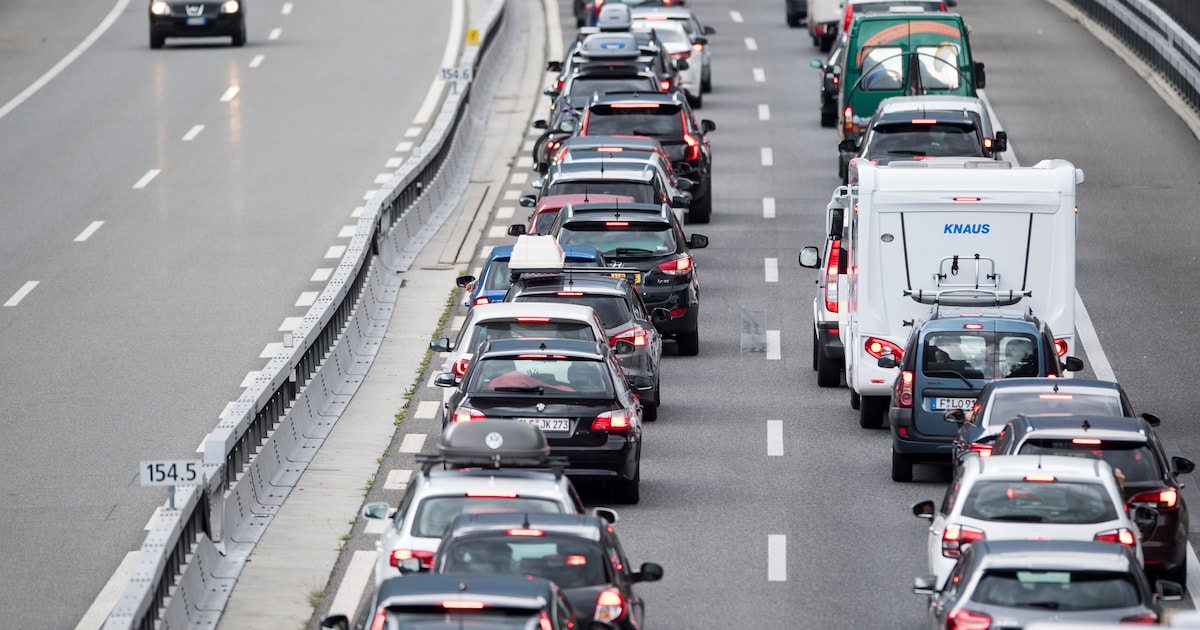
pixel 193 553
pixel 1157 38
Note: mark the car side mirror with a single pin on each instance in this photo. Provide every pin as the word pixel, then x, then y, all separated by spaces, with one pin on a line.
pixel 980 76
pixel 528 201
pixel 708 30
pixel 1144 516
pixel 660 315
pixel 377 511
pixel 541 124
pixel 816 63
pixel 553 66
pixel 462 281
pixel 607 515
pixel 516 229
pixel 409 566
pixel 684 184
pixel 567 125
pixel 336 622
pixel 682 64
pixel 541 168
pixel 707 125
pixel 679 201
pixel 623 348
pixel 956 416
pixel 640 383
pixel 923 510
pixel 848 145
pixel 1182 465
pixel 1168 591
pixel 925 585
pixel 1151 419
pixel 649 572
pixel 1073 364
pixel 551 92
pixel 887 361
pixel 1000 142
pixel 445 379
pixel 682 168
pixel 440 345
pixel 537 183
pixel 697 241
pixel 810 258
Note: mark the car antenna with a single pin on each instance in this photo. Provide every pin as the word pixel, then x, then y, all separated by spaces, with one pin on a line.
pixel 585 192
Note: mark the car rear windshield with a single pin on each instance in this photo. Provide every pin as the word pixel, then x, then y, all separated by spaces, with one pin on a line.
pixel 543 220
pixel 1135 460
pixel 642 192
pixel 435 513
pixel 936 140
pixel 546 374
pixel 630 240
pixel 1063 591
pixel 1005 406
pixel 612 309
pixel 1058 502
pixel 980 354
pixel 512 329
pixel 586 86
pixel 654 120
pixel 438 618
pixel 666 30
pixel 568 562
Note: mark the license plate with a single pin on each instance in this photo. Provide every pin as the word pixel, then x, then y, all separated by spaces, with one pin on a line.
pixel 549 425
pixel 195 21
pixel 944 404
pixel 635 278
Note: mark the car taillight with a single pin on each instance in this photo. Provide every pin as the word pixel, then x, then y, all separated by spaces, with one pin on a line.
pixel 984 450
pixel 562 152
pixel 683 54
pixel 693 148
pixel 610 606
pixel 698 47
pixel 599 3
pixel 480 300
pixel 1148 619
pixel 831 277
pixel 380 621
pixel 665 84
pixel 879 347
pixel 848 120
pixel 678 267
pixel 905 399
pixel 1159 499
pixel 559 86
pixel 467 414
pixel 460 367
pixel 613 421
pixel 400 555
pixel 1120 536
pixel 544 622
pixel 1060 346
pixel 955 538
pixel 636 336
pixel 963 619
pixel 836 80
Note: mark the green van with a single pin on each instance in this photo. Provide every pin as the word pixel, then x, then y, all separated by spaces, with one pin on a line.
pixel 898 54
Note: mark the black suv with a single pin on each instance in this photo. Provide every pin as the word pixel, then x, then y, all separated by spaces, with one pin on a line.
pixel 179 18
pixel 647 238
pixel 578 552
pixel 669 119
pixel 1147 476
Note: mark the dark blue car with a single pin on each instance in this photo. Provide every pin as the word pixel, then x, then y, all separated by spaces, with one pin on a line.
pixel 494 280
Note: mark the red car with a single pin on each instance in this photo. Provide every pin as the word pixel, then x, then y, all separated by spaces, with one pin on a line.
pixel 547 208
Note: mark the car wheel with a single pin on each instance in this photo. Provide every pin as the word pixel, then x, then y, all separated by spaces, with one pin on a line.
pixel 829 371
pixel 793 20
pixel 872 410
pixel 650 412
pixel 706 83
pixel 828 119
pixel 814 351
pixel 157 41
pixel 697 101
pixel 629 492
pixel 855 400
pixel 701 210
pixel 826 43
pixel 239 38
pixel 689 343
pixel 901 467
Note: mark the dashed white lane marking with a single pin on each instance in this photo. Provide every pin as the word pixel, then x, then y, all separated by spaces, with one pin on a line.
pixel 321 275
pixel 412 132
pixel 512 195
pixel 251 376
pixel 524 161
pixel 519 178
pixel 427 409
pixel 736 16
pixel 498 231
pixel 290 323
pixel 773 348
pixel 771 269
pixel 505 212
pixel 404 147
pixel 776 558
pixel 382 178
pixel 270 350
pixel 307 298
pixel 230 94
pixel 354 582
pixel 751 44
pixel 764 112
pixel 768 156
pixel 88 231
pixel 192 133
pixel 370 193
pixel 147 178
pixel 97 613
pixel 286 9
pixel 397 479
pixel 376 526
pixel 432 378
pixel 774 438
pixel 21 293
pixel 768 207
pixel 528 146
pixel 393 163
pixel 413 443
pixel 358 212
pixel 760 75
pixel 275 33
pixel 347 231
pixel 457 322
pixel 335 252
pixel 257 61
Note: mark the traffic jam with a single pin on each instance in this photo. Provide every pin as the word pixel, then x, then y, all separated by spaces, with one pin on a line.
pixel 1063 505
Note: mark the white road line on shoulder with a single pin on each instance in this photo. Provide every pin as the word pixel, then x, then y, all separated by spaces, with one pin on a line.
pixel 505 212
pixel 21 293
pixel 760 75
pixel 347 231
pixel 528 146
pixel 736 16
pixel 397 479
pixel 230 93
pixel 764 112
pixel 773 345
pixel 286 9
pixel 357 212
pixel 375 526
pixel 512 195
pixel 335 252
pixel 88 231
pixel 427 409
pixel 457 322
pixel 275 33
pixel 321 275
pixel 412 132
pixel 382 178
pixel 147 178
pixel 97 613
pixel 404 147
pixel 413 443
pixel 768 207
pixel 524 161
pixel 192 133
pixel 497 231
pixel 290 323
pixel 771 269
pixel 257 61
pixel 1090 341
pixel 519 178
pixel 449 59
pixel 270 350
pixel 776 558
pixel 393 163
pixel 251 376
pixel 768 156
pixel 774 438
pixel 307 298
pixel 354 583
pixel 751 44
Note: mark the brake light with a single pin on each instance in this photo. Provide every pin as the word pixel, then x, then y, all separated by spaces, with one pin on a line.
pixel 466 414
pixel 966 199
pixel 544 622
pixel 552 145
pixel 492 495
pixel 525 532
pixel 836 80
pixel 1122 536
pixel 616 224
pixel 636 336
pixel 576 561
pixel 610 606
pixel 677 267
pixel 973 326
pixel 400 555
pixel 380 621
pixel 848 120
pixel 480 300
pixel 1056 396
pixel 609 149
pixel 1148 619
pixel 1040 478
pixel 613 421
pixel 1060 346
pixel 539 320
pixel 665 85
pixel 924 121
pixel 963 619
pixel 956 538
pixel 987 143
pixel 983 450
pixel 569 293
pixel 559 87
pixel 1167 498
pixel 905 399
pixel 831 276
pixel 460 367
pixel 636 105
pixel 1092 441
pixel 879 347
pixel 678 312
pixel 463 605
pixel 693 146
pixel 599 3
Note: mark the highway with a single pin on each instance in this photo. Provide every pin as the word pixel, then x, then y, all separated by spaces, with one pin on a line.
pixel 222 177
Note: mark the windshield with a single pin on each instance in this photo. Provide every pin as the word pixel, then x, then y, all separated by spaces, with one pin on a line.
pixel 435 513
pixel 631 241
pixel 884 67
pixel 613 310
pixel 666 30
pixel 1005 406
pixel 586 86
pixel 660 122
pixel 1057 590
pixel 642 192
pixel 1135 460
pixel 544 374
pixel 1057 502
pixel 937 140
pixel 568 562
pixel 510 329
pixel 980 354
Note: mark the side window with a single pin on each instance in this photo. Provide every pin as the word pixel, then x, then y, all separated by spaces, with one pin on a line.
pixel 949 499
pixel 636 305
pixel 406 502
pixel 465 331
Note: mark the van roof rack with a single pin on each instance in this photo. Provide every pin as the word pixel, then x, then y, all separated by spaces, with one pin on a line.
pixel 967 297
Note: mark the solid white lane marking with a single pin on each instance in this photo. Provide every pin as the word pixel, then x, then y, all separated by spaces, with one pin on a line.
pixel 771 268
pixel 759 75
pixel 1090 341
pixel 62 64
pixel 412 132
pixel 321 275
pixel 776 558
pixel 357 212
pixel 397 479
pixel 192 133
pixel 383 178
pixel 751 44
pixel 768 156
pixel 457 322
pixel 773 349
pixel 427 409
pixel 524 161
pixel 250 378
pixel 257 61
pixel 393 163
pixel 1193 575
pixel 275 33
pixel 498 231
pixel 97 613
pixel 88 231
pixel 286 9
pixel 512 195
pixel 736 16
pixel 21 293
pixel 505 212
pixel 519 178
pixel 230 93
pixel 413 443
pixel 432 378
pixel 774 438
pixel 147 178
pixel 290 323
pixel 270 350
pixel 347 231
pixel 354 582
pixel 449 60
pixel 404 147
pixel 335 252
pixel 768 207
pixel 307 298
pixel 764 112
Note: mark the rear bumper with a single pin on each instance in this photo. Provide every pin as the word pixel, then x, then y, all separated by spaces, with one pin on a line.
pixel 682 298
pixel 172 26
pixel 616 459
pixel 919 446
pixel 1166 548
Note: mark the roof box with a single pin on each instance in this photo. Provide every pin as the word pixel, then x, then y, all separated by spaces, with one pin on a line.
pixel 610 46
pixel 535 253
pixel 614 18
pixel 493 443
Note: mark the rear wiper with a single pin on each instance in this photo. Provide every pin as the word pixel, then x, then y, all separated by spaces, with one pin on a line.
pixel 643 132
pixel 951 373
pixel 906 152
pixel 1019 518
pixel 521 390
pixel 630 251
pixel 1046 605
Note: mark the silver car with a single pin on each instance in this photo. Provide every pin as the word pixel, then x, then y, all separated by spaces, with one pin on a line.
pixel 696 31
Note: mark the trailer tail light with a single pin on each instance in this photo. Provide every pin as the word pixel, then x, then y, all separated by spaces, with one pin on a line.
pixel 678 267
pixel 905 383
pixel 1159 499
pixel 963 619
pixel 610 606
pixel 612 421
pixel 400 555
pixel 1121 536
pixel 636 336
pixel 831 276
pixel 1060 346
pixel 879 347
pixel 956 538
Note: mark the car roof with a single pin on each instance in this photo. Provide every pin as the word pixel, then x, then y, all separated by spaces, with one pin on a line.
pixel 932 103
pixel 674 13
pixel 571 348
pixel 642 212
pixel 1070 426
pixel 598 170
pixel 1021 465
pixel 554 310
pixel 583 526
pixel 947 116
pixel 495 590
pixel 1005 322
pixel 641 143
pixel 665 98
pixel 1065 385
pixel 1079 555
pixel 591 284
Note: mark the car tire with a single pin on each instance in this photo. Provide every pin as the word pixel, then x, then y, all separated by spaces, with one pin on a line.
pixel 696 101
pixel 872 410
pixel 157 41
pixel 239 37
pixel 689 343
pixel 902 467
pixel 816 342
pixel 650 412
pixel 629 492
pixel 706 83
pixel 701 210
pixel 826 43
pixel 794 20
pixel 855 400
pixel 829 372
pixel 828 119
